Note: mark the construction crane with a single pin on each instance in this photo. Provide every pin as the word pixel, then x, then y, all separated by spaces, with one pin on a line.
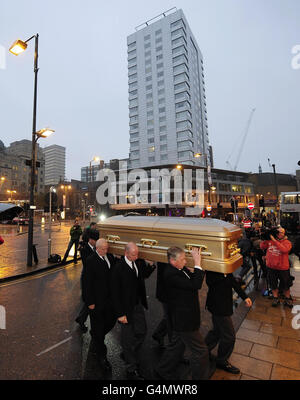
pixel 242 143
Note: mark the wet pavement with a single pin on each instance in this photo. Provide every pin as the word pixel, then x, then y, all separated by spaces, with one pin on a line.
pixel 42 341
pixel 13 253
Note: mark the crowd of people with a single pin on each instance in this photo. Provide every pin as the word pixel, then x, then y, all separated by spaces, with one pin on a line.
pixel 114 292
pixel 269 248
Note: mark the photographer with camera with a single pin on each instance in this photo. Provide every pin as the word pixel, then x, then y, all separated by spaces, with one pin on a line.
pixel 277 260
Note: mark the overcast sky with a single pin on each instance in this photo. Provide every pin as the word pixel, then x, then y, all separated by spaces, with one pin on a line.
pixel 82 84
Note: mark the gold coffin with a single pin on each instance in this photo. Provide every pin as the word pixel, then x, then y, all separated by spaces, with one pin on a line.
pixel 154 235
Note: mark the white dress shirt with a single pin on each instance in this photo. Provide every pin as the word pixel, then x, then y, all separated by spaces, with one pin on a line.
pixel 131 265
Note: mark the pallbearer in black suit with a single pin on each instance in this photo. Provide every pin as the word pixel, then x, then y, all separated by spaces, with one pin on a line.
pixel 129 297
pixel 86 250
pixel 182 285
pixel 97 295
pixel 219 303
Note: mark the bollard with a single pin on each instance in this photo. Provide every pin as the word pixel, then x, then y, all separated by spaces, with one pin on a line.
pixel 35 257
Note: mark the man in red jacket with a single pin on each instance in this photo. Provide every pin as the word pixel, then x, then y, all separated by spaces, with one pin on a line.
pixel 277 260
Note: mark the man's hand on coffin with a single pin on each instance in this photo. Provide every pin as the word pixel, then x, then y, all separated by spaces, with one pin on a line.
pixel 151 264
pixel 196 254
pixel 123 320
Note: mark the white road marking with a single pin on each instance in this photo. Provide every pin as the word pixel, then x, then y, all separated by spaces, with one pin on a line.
pixel 54 346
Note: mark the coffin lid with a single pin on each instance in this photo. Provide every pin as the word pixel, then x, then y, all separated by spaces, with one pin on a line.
pixel 178 225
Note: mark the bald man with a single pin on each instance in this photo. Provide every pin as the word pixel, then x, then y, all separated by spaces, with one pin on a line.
pixel 129 299
pixel 97 294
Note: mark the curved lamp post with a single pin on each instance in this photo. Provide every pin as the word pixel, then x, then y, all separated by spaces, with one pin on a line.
pixel 18 47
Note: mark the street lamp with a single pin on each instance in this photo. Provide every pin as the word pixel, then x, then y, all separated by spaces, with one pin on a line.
pixel 18 47
pixel 66 188
pixel 11 193
pixel 52 190
pixel 96 159
pixel 84 207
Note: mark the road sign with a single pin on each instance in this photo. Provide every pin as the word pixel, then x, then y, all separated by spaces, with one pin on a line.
pixel 247 224
pixel 208 207
pixel 250 206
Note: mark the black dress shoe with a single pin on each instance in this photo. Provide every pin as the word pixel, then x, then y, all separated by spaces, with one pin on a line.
pixel 228 368
pixel 134 375
pixel 82 326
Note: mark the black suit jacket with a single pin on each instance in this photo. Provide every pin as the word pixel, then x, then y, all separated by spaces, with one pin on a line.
pixel 85 252
pixel 182 297
pixel 160 283
pixel 97 281
pixel 219 296
pixel 125 287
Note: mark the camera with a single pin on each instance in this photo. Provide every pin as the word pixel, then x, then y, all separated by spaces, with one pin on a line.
pixel 266 233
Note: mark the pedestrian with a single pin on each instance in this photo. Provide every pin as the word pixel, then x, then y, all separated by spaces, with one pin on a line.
pixel 219 302
pixel 182 285
pixel 257 253
pixel 75 233
pixel 246 246
pixel 98 297
pixel 277 260
pixel 85 251
pixel 85 235
pixel 129 297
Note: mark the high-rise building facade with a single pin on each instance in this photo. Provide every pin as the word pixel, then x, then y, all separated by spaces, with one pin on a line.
pixel 15 172
pixel 167 102
pixel 55 164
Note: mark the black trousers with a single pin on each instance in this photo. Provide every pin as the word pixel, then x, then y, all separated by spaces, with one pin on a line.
pixel 83 314
pixel 132 337
pixel 71 242
pixel 173 354
pixel 164 326
pixel 102 321
pixel 224 334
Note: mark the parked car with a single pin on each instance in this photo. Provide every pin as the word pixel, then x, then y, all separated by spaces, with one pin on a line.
pixel 21 220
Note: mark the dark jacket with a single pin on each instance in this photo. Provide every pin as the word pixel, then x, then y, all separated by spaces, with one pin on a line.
pixel 86 234
pixel 245 245
pixel 97 281
pixel 85 252
pixel 127 289
pixel 219 297
pixel 160 283
pixel 182 297
pixel 75 232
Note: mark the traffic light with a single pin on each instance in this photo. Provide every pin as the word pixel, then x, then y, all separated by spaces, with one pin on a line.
pixel 262 202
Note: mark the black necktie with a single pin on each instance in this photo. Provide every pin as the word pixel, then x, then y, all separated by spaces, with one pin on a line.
pixel 134 268
pixel 106 263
